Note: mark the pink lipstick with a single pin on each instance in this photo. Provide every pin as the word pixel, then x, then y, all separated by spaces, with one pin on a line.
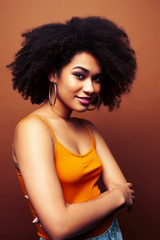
pixel 84 100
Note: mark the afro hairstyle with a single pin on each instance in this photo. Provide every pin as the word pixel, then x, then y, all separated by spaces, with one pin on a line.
pixel 52 46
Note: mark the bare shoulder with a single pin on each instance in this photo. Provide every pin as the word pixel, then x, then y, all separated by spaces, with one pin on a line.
pixel 89 125
pixel 31 125
pixel 33 145
pixel 29 131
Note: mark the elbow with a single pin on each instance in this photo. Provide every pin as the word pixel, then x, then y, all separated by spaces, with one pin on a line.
pixel 60 230
pixel 64 231
pixel 59 233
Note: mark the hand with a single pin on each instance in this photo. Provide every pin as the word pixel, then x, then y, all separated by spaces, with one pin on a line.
pixel 127 193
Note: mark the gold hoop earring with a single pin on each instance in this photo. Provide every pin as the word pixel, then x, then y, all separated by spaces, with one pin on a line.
pixel 97 105
pixel 55 93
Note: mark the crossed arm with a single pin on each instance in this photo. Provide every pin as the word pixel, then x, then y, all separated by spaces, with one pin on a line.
pixel 60 220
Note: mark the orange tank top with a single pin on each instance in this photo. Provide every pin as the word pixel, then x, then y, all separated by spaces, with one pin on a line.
pixel 78 175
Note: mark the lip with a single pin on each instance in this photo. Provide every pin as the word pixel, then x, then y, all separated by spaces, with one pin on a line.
pixel 84 100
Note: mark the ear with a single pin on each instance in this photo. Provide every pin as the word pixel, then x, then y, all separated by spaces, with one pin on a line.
pixel 52 77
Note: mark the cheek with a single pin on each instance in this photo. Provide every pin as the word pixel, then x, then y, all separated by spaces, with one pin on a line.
pixel 97 88
pixel 69 85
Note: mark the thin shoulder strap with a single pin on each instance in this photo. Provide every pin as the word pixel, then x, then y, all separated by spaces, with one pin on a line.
pixel 44 122
pixel 92 139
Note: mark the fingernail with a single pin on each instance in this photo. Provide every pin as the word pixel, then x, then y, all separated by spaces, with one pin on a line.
pixel 26 196
pixel 35 220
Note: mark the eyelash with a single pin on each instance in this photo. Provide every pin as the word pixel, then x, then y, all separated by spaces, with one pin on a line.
pixel 79 76
pixel 98 79
pixel 82 76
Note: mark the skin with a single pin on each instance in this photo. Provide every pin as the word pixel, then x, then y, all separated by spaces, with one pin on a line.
pixel 34 155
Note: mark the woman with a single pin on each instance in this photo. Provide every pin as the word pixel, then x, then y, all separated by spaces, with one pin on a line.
pixel 68 67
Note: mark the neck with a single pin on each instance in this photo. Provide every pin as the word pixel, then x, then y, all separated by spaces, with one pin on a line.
pixel 57 110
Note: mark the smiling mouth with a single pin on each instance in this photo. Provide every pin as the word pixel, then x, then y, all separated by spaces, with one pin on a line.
pixel 84 100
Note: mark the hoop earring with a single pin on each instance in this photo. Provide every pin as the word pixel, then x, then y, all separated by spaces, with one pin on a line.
pixel 55 93
pixel 97 105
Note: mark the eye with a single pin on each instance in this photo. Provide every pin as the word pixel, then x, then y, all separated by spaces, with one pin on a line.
pixel 97 79
pixel 79 76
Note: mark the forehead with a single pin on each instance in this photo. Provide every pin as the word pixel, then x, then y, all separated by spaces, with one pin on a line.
pixel 85 60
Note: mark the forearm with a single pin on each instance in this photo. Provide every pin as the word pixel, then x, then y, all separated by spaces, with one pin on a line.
pixel 82 217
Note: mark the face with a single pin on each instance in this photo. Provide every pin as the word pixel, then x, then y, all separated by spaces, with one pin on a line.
pixel 79 82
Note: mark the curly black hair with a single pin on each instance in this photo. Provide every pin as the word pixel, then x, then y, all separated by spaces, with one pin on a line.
pixel 52 46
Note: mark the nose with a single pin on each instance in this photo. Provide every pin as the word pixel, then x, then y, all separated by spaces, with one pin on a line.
pixel 88 86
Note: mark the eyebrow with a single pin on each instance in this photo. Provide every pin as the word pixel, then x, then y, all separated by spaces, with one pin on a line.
pixel 86 70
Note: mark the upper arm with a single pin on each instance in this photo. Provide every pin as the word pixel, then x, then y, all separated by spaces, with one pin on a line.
pixel 33 144
pixel 111 173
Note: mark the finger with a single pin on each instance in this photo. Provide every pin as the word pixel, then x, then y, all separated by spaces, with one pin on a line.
pixel 130 185
pixel 133 198
pixel 132 192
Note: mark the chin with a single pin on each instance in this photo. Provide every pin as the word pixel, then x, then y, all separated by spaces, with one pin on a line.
pixel 81 110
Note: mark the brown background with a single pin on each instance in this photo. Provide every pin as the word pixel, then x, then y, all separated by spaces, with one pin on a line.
pixel 132 132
